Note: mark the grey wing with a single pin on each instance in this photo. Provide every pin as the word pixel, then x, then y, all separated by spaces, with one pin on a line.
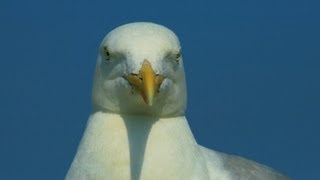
pixel 243 169
pixel 249 170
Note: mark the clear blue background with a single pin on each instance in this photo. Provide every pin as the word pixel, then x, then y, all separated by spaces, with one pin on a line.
pixel 252 68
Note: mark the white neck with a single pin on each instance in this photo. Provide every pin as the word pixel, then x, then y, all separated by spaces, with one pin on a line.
pixel 139 147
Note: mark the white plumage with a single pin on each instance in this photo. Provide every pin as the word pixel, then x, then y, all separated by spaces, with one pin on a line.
pixel 137 129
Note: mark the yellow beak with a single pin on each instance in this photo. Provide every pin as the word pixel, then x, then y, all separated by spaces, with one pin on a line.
pixel 146 82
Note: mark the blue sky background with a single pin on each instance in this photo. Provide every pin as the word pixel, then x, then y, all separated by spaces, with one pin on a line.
pixel 252 69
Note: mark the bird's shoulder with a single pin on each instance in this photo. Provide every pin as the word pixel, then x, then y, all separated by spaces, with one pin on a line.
pixel 241 168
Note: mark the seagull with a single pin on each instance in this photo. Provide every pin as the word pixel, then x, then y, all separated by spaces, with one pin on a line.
pixel 137 129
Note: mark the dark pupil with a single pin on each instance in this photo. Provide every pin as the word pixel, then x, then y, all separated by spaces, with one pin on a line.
pixel 106 53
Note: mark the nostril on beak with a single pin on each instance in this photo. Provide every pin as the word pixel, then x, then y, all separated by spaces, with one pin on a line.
pixel 135 80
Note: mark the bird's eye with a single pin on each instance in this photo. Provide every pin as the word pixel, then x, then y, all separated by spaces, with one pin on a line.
pixel 106 53
pixel 178 57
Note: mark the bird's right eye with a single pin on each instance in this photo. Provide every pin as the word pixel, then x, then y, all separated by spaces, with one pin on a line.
pixel 106 53
pixel 178 56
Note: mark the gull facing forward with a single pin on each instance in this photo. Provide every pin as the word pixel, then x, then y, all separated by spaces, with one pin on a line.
pixel 137 130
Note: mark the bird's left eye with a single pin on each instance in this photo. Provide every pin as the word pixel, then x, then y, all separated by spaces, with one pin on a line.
pixel 106 53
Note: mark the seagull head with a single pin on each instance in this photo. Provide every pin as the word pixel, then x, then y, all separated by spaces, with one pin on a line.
pixel 140 71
